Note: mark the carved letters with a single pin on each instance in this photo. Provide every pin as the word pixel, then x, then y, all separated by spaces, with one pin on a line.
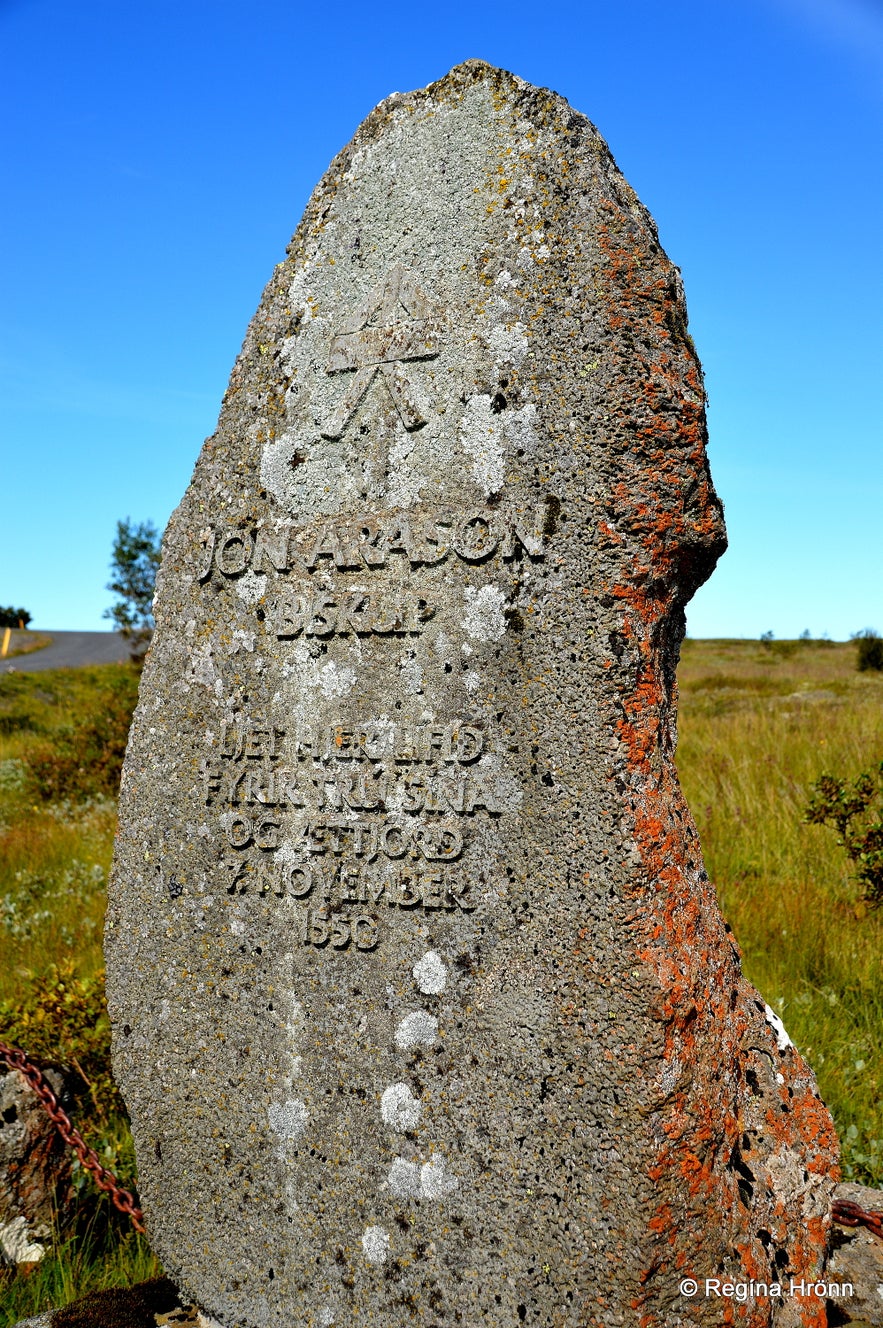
pixel 418 540
pixel 347 819
pixel 355 611
pixel 371 816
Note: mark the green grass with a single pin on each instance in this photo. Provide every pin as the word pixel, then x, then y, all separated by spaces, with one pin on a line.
pixel 758 725
pixel 60 733
pixel 89 1260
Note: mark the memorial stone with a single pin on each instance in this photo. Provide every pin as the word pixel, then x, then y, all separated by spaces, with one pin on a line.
pixel 423 1006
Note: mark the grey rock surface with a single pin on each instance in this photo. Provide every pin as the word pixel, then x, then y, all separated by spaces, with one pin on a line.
pixel 423 1006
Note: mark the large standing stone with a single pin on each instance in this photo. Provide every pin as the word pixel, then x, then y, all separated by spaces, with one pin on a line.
pixel 424 1009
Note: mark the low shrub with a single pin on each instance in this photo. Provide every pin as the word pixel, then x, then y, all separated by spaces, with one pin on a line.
pixel 84 758
pixel 870 651
pixel 63 1017
pixel 850 810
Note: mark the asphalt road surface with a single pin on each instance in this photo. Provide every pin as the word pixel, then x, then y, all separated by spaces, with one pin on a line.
pixel 70 650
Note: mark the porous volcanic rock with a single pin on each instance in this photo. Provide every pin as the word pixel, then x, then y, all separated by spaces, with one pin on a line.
pixel 423 1006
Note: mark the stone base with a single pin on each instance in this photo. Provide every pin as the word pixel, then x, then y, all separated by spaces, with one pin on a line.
pixel 857 1258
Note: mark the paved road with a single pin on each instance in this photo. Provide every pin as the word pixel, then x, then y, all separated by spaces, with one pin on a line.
pixel 70 650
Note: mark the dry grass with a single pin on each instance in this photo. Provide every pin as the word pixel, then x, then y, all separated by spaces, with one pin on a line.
pixel 24 642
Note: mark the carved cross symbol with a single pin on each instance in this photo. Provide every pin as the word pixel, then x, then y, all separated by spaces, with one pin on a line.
pixel 371 350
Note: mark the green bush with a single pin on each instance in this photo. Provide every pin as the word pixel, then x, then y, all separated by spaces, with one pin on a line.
pixel 62 1017
pixel 870 651
pixel 84 758
pixel 850 810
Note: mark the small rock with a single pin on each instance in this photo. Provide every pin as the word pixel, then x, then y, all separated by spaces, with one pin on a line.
pixel 35 1167
pixel 857 1258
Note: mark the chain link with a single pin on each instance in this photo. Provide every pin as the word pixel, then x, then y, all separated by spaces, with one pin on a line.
pixel 848 1214
pixel 122 1199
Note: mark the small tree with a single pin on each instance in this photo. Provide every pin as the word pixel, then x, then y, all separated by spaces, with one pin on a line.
pixel 854 812
pixel 133 566
pixel 14 618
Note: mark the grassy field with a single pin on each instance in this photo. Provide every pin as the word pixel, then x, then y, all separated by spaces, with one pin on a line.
pixel 61 738
pixel 758 724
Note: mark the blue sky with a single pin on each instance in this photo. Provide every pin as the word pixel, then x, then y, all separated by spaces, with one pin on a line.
pixel 158 158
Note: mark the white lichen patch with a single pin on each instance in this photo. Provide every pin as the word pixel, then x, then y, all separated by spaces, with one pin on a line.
pixel 783 1042
pixel 242 640
pixel 405 475
pixel 483 616
pixel 202 666
pixel 404 1179
pixel 430 974
pixel 471 681
pixel 299 662
pixel 483 442
pixel 411 1180
pixel 251 587
pixel 336 679
pixel 299 294
pixel 443 645
pixel 375 1243
pixel 509 344
pixel 399 1107
pixel 418 1028
pixel 411 673
pixel 288 1120
pixel 435 1180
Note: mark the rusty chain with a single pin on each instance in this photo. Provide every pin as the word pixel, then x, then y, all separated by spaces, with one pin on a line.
pixel 16 1059
pixel 848 1214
